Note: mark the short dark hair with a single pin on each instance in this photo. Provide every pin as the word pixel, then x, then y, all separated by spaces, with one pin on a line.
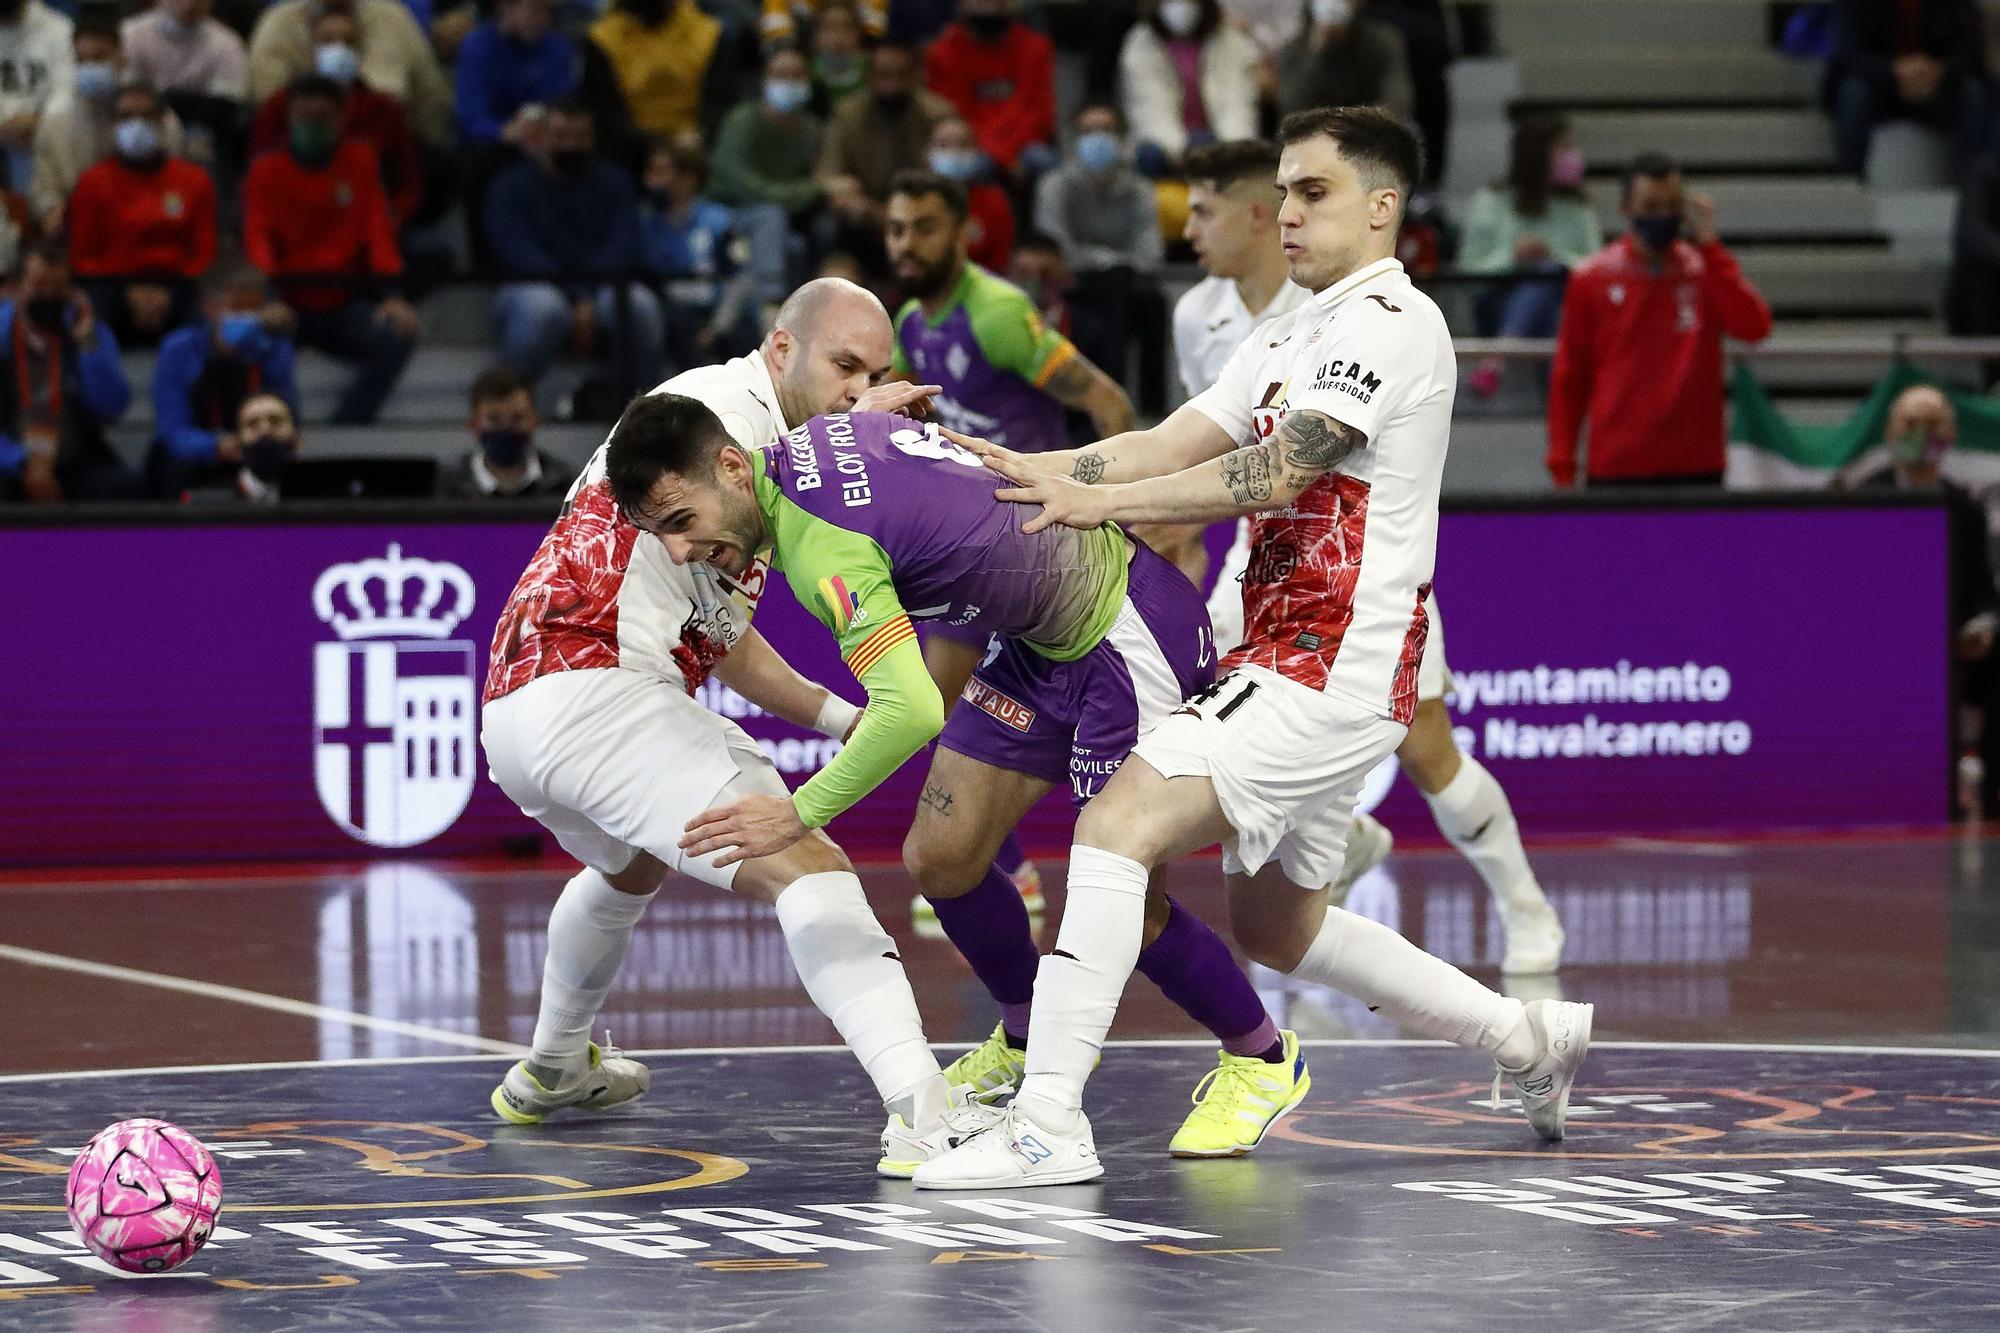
pixel 1373 138
pixel 660 433
pixel 495 383
pixel 686 154
pixel 1102 104
pixel 1037 240
pixel 99 21
pixel 574 107
pixel 924 184
pixel 1232 162
pixel 50 250
pixel 1653 166
pixel 314 85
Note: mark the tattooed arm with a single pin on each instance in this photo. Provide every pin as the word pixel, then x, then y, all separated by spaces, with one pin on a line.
pixel 1082 387
pixel 1270 475
pixel 1181 441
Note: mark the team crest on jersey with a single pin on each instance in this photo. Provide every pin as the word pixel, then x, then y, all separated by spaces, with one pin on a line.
pixel 394 729
pixel 845 607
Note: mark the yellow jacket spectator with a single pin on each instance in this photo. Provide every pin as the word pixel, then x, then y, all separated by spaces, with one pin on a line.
pixel 660 51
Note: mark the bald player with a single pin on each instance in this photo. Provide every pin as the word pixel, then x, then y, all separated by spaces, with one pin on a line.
pixel 591 727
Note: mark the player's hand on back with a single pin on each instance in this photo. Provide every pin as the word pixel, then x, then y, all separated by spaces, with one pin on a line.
pixel 1063 501
pixel 750 827
pixel 912 400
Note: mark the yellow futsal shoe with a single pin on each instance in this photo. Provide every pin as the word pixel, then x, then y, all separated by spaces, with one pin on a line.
pixel 992 1069
pixel 610 1079
pixel 1238 1101
pixel 1027 883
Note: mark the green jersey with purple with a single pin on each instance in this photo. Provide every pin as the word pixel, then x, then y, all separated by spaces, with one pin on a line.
pixel 878 521
pixel 990 352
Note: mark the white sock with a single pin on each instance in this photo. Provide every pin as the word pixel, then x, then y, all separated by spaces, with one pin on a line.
pixel 1079 982
pixel 851 969
pixel 1427 995
pixel 1472 812
pixel 589 933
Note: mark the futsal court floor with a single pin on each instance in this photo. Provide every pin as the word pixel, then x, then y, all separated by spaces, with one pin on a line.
pixel 1790 1118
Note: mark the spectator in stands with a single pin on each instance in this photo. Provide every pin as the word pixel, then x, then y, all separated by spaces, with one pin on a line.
pixel 662 53
pixel 1427 48
pixel 876 133
pixel 315 210
pixel 1345 58
pixel 764 155
pixel 1271 24
pixel 563 225
pixel 76 131
pixel 1106 219
pixel 396 57
pixel 61 388
pixel 1038 269
pixel 1187 78
pixel 1639 350
pixel 206 372
pixel 1000 74
pixel 36 66
pixel 1537 221
pixel 839 64
pixel 366 116
pixel 512 62
pixel 780 23
pixel 202 69
pixel 688 243
pixel 268 435
pixel 504 463
pixel 1972 296
pixel 1918 60
pixel 142 226
pixel 989 223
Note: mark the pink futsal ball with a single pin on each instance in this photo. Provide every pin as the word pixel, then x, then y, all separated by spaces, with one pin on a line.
pixel 144 1196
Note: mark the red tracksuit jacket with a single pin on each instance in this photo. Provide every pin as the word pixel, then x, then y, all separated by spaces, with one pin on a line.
pixel 334 219
pixel 124 222
pixel 1006 90
pixel 1639 356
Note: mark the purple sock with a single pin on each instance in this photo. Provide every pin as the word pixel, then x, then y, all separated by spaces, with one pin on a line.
pixel 1011 856
pixel 1194 968
pixel 990 927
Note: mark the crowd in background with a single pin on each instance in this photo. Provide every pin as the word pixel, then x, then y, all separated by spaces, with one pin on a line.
pixel 635 186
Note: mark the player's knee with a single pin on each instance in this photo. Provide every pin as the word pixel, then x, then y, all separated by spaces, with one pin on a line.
pixel 768 876
pixel 1111 823
pixel 641 877
pixel 940 869
pixel 1428 753
pixel 1278 943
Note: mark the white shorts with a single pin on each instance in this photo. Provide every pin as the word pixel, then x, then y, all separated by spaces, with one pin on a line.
pixel 616 762
pixel 1286 762
pixel 1225 617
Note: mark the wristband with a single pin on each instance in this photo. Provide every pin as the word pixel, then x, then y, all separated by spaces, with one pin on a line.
pixel 836 717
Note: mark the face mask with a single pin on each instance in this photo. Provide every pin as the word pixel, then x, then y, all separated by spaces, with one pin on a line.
pixel 505 448
pixel 892 104
pixel 48 313
pixel 570 161
pixel 242 334
pixel 337 61
pixel 266 456
pixel 175 30
pixel 1566 168
pixel 842 71
pixel 1918 448
pixel 786 95
pixel 648 12
pixel 313 142
pixel 1181 17
pixel 137 139
pixel 1657 230
pixel 990 27
pixel 96 80
pixel 1334 13
pixel 959 164
pixel 1097 150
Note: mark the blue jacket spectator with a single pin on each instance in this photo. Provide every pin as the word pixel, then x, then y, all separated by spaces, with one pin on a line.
pixel 207 371
pixel 560 223
pixel 513 60
pixel 61 387
pixel 690 243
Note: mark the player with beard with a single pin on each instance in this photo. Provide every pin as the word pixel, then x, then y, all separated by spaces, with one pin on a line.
pixel 1331 426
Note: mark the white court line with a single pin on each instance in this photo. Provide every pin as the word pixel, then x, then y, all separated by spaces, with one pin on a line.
pixel 1183 1043
pixel 256 999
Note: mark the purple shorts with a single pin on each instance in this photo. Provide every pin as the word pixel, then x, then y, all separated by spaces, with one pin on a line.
pixel 1078 720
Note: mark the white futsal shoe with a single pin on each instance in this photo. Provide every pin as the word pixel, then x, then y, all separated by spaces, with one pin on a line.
pixel 1369 843
pixel 1534 939
pixel 1013 1154
pixel 609 1079
pixel 904 1149
pixel 1562 1035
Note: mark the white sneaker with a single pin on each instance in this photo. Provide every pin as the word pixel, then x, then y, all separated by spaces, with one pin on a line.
pixel 1013 1154
pixel 904 1149
pixel 1562 1035
pixel 1369 843
pixel 1534 939
pixel 609 1079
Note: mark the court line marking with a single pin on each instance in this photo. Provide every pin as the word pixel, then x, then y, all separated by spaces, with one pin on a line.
pixel 1182 1043
pixel 256 999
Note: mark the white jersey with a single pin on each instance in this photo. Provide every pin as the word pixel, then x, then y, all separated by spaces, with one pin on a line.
pixel 596 595
pixel 1211 321
pixel 1334 594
